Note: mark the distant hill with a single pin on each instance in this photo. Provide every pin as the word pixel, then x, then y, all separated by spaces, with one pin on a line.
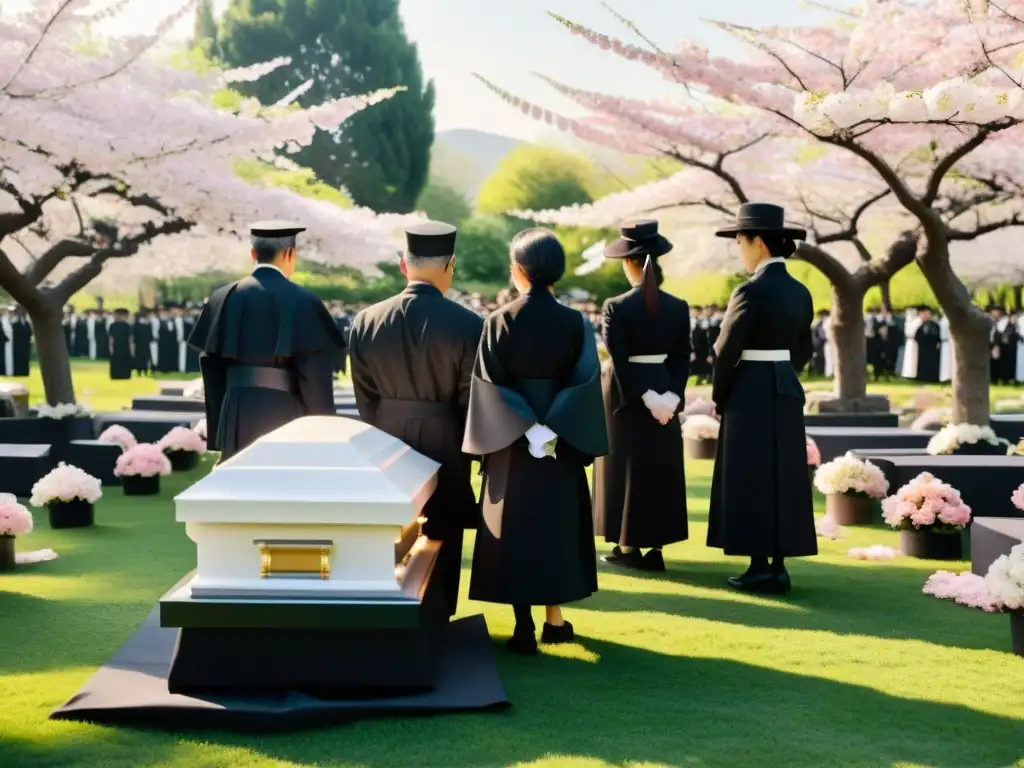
pixel 464 158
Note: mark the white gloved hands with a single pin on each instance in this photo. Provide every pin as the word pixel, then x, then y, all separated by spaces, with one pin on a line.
pixel 542 441
pixel 663 406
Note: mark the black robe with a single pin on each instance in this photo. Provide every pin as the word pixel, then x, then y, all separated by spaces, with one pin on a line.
pixel 819 340
pixel 4 341
pixel 167 349
pixel 929 355
pixel 142 337
pixel 101 332
pixel 81 337
pixel 761 502
pixel 191 355
pixel 537 363
pixel 120 350
pixel 1004 362
pixel 69 333
pixel 700 367
pixel 640 486
pixel 344 327
pixel 412 361
pixel 21 330
pixel 266 347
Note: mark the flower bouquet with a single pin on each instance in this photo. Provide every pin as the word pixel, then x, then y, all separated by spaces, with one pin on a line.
pixel 140 469
pixel 968 439
pixel 15 520
pixel 61 411
pixel 1005 582
pixel 118 435
pixel 930 515
pixel 700 436
pixel 850 485
pixel 68 493
pixel 698 407
pixel 813 458
pixel 64 422
pixel 183 447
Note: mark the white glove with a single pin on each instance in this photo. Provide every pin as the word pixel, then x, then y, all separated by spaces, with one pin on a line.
pixel 542 441
pixel 663 406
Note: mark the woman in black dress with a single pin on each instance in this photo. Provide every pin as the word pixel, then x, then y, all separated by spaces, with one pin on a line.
pixel 536 420
pixel 142 339
pixel 760 493
pixel 640 486
pixel 120 346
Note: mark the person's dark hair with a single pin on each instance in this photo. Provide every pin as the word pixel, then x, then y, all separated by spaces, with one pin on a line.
pixel 267 248
pixel 652 278
pixel 540 255
pixel 779 246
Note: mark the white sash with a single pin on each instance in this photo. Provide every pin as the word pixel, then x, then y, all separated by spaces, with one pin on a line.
pixel 179 332
pixel 91 325
pixel 154 324
pixel 648 359
pixel 765 355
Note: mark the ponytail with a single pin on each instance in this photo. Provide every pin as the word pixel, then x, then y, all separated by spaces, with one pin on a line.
pixel 649 288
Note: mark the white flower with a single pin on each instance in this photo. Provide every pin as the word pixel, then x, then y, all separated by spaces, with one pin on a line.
pixel 908 107
pixel 61 411
pixel 848 108
pixel 950 99
pixel 848 474
pixel 66 483
pixel 1005 579
pixel 195 389
pixel 701 427
pixel 952 436
pixel 986 107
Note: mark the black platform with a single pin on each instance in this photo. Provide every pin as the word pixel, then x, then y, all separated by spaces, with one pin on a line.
pixel 992 537
pixel 131 689
pixel 836 441
pixel 147 426
pixel 171 403
pixel 174 388
pixel 1009 426
pixel 852 420
pixel 33 430
pixel 95 457
pixel 21 466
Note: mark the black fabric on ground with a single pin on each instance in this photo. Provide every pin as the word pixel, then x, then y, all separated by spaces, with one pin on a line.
pixel 131 689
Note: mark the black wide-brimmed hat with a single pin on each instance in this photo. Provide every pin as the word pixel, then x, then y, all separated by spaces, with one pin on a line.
pixel 638 239
pixel 762 217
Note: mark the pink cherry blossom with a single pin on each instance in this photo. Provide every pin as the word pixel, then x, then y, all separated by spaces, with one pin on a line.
pixel 15 519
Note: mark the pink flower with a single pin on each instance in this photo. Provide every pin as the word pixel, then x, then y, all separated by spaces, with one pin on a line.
pixel 182 439
pixel 926 501
pixel 958 516
pixel 876 552
pixel 813 453
pixel 118 435
pixel 966 589
pixel 145 460
pixel 15 520
pixel 1018 497
pixel 828 528
pixel 922 516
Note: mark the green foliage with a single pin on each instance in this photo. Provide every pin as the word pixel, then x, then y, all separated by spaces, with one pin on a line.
pixel 482 249
pixel 537 178
pixel 301 181
pixel 204 34
pixel 442 203
pixel 606 281
pixel 346 47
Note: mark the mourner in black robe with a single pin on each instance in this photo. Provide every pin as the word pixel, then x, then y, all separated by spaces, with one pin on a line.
pixel 68 323
pixel 537 420
pixel 142 338
pixel 761 503
pixel 22 341
pixel 101 332
pixel 80 335
pixel 189 320
pixel 266 347
pixel 701 354
pixel 929 348
pixel 120 351
pixel 412 360
pixel 640 486
pixel 167 352
pixel 344 323
pixel 819 342
pixel 1002 347
pixel 5 346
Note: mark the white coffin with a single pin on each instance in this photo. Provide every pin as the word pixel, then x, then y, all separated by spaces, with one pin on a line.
pixel 339 486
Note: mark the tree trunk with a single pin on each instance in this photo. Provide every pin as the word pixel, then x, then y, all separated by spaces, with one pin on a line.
pixel 52 353
pixel 849 347
pixel 885 289
pixel 969 329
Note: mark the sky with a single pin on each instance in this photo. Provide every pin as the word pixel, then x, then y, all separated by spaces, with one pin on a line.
pixel 507 41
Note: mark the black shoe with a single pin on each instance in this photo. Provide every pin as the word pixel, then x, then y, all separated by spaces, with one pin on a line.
pixel 523 641
pixel 762 583
pixel 631 559
pixel 553 634
pixel 653 561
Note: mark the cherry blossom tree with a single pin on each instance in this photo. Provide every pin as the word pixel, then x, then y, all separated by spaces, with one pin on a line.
pixel 864 90
pixel 105 152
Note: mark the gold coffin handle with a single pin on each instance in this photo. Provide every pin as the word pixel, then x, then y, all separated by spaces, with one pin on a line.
pixel 295 558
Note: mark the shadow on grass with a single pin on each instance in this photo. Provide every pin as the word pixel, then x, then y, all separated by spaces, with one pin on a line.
pixel 883 601
pixel 633 705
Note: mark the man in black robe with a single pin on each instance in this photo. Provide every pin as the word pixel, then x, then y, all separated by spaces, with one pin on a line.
pixel 142 338
pixel 1002 347
pixel 266 347
pixel 22 341
pixel 120 346
pixel 101 332
pixel 69 328
pixel 166 341
pixel 700 357
pixel 929 347
pixel 819 341
pixel 344 323
pixel 80 334
pixel 411 359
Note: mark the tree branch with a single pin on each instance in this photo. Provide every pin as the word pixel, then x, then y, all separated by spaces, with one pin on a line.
pixel 945 165
pixel 900 254
pixel 825 263
pixel 54 255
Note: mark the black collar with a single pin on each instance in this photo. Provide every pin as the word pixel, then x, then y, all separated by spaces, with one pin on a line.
pixel 421 289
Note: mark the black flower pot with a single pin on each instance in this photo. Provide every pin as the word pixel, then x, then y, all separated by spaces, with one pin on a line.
pixel 182 461
pixel 7 553
pixel 928 545
pixel 704 449
pixel 980 449
pixel 70 514
pixel 137 485
pixel 1017 632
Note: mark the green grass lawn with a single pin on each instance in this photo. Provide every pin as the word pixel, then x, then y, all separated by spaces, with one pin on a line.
pixel 855 668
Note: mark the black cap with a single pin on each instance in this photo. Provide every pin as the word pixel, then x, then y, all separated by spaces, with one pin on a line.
pixel 758 218
pixel 121 311
pixel 275 229
pixel 430 240
pixel 638 239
